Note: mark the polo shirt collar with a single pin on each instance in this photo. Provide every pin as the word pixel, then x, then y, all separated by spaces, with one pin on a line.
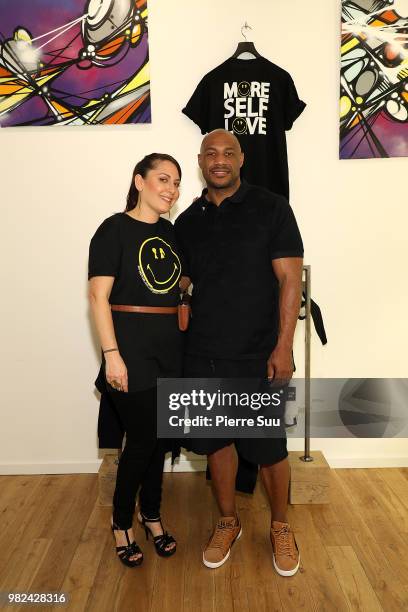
pixel 236 197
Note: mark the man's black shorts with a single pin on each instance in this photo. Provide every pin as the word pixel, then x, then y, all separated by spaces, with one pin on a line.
pixel 261 451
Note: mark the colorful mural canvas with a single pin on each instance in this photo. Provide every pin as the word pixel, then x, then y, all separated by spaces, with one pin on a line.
pixel 74 62
pixel 374 79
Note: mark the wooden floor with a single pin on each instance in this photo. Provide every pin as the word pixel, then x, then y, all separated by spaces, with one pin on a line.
pixel 55 537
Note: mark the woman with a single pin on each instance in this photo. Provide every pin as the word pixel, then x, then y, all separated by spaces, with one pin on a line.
pixel 134 273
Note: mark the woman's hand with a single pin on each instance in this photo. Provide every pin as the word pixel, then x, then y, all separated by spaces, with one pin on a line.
pixel 116 371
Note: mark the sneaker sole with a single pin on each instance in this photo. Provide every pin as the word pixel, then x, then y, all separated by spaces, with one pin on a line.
pixel 214 565
pixel 282 572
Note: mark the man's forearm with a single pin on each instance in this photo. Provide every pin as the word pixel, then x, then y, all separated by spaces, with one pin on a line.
pixel 288 271
pixel 290 294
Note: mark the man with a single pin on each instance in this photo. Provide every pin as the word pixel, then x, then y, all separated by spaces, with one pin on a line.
pixel 243 254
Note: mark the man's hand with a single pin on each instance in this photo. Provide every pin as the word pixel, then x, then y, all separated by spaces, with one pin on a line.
pixel 288 271
pixel 184 283
pixel 280 365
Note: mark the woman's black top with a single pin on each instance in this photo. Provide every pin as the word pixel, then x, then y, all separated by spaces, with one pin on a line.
pixel 144 260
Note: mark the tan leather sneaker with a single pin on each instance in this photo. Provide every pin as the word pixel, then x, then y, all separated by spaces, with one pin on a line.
pixel 286 557
pixel 218 549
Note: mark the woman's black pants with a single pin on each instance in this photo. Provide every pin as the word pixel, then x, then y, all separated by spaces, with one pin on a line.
pixel 141 462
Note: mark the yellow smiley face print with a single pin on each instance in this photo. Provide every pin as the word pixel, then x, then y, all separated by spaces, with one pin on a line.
pixel 239 125
pixel 159 265
pixel 244 88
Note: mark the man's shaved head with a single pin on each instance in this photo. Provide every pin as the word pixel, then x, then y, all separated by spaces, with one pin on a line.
pixel 220 135
pixel 220 160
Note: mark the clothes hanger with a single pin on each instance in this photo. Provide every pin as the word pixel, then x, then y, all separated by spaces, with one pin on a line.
pixel 245 47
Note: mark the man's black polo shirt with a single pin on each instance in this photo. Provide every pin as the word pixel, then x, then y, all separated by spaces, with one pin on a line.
pixel 229 251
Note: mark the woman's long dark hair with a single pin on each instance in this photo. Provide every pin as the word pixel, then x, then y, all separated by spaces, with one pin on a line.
pixel 147 163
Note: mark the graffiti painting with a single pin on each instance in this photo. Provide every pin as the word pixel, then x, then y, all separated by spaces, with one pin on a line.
pixel 374 79
pixel 76 62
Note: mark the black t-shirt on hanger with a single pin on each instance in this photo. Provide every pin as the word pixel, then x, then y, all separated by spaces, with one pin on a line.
pixel 258 102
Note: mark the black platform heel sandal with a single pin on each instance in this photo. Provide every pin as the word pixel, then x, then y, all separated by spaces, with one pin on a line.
pixel 161 541
pixel 125 552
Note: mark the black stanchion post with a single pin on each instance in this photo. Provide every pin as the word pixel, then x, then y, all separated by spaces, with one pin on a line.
pixel 308 323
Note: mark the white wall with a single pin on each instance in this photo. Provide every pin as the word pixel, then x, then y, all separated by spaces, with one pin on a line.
pixel 59 184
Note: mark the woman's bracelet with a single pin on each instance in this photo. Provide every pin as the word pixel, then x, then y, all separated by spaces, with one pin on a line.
pixel 110 350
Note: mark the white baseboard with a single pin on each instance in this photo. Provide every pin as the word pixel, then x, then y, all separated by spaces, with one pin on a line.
pixel 76 467
pixel 91 467
pixel 366 462
pixel 185 465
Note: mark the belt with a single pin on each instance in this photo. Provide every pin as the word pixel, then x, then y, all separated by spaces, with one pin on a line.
pixel 146 309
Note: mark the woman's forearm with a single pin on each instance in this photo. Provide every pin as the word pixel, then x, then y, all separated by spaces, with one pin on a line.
pixel 102 316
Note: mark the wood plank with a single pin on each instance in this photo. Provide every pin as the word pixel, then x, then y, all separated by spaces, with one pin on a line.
pixel 319 570
pixel 239 593
pixel 396 555
pixel 404 472
pixel 405 542
pixel 295 591
pixel 231 583
pixel 381 520
pixel 65 526
pixel 105 593
pixel 28 525
pixel 32 561
pixel 266 590
pixel 17 494
pixel 81 573
pixel 353 551
pixel 10 485
pixel 391 503
pixel 137 583
pixel 223 586
pixel 252 558
pixel 395 482
pixel 328 524
pixel 168 590
pixel 17 498
pixel 115 586
pixel 365 496
pixel 233 579
pixel 199 581
pixel 35 554
pixel 388 588
pixel 353 580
